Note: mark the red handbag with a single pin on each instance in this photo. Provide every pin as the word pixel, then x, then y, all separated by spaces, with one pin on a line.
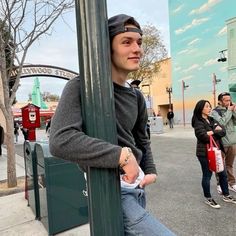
pixel 214 156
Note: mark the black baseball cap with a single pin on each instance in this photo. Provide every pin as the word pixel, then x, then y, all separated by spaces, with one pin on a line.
pixel 117 25
pixel 221 95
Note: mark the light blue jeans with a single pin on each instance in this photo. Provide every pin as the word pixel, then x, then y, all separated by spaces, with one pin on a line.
pixel 137 221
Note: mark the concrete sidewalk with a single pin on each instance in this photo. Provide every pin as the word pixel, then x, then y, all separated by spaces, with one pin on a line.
pixel 20 166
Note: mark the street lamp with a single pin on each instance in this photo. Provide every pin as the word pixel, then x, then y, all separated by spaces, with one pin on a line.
pixel 184 86
pixel 222 56
pixel 148 94
pixel 214 82
pixel 169 91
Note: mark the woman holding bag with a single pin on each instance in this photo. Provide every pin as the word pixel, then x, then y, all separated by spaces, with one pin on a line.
pixel 204 127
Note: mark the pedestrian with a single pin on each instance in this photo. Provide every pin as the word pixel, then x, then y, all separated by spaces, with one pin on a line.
pixel 204 127
pixel 24 132
pixel 1 138
pixel 225 114
pixel 170 117
pixel 48 127
pixel 68 141
pixel 135 83
pixel 16 131
pixel 148 129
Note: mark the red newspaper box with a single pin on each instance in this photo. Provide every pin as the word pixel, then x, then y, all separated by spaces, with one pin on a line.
pixel 30 119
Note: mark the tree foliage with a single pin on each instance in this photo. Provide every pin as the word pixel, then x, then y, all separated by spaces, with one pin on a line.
pixel 153 52
pixel 48 97
pixel 22 22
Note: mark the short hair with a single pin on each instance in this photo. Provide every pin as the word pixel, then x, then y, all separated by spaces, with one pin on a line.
pixel 221 95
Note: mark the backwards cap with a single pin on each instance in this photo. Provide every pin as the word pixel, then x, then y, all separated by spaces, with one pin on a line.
pixel 116 25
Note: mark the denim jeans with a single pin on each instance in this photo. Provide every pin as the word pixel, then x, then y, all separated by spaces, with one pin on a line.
pixel 206 178
pixel 137 221
pixel 171 122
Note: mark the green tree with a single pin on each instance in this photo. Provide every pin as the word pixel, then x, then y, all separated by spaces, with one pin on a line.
pixel 22 22
pixel 154 51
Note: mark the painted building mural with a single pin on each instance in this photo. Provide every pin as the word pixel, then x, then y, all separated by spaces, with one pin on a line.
pixel 199 38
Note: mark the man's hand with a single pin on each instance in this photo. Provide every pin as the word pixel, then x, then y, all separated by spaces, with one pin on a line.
pixel 218 127
pixel 131 168
pixel 148 179
pixel 231 107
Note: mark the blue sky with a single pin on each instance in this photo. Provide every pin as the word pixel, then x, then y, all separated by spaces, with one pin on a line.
pixel 60 48
pixel 198 32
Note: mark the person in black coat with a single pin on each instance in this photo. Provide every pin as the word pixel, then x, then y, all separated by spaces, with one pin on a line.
pixel 1 138
pixel 170 117
pixel 204 127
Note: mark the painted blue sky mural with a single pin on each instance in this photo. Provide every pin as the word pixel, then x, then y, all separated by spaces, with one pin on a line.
pixel 197 33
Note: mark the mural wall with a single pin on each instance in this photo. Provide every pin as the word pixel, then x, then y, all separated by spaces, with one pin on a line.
pixel 198 32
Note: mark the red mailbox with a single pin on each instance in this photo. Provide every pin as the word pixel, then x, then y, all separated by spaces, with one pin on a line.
pixel 30 119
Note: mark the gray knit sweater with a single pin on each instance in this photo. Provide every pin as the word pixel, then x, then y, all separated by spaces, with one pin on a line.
pixel 69 142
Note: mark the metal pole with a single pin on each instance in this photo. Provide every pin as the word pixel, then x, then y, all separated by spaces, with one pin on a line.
pixel 183 87
pixel 169 91
pixel 214 88
pixel 98 114
pixel 169 99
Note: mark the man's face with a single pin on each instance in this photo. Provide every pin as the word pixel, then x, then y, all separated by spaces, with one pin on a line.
pixel 225 101
pixel 126 51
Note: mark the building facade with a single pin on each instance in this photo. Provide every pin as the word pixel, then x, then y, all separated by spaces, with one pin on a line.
pixel 158 99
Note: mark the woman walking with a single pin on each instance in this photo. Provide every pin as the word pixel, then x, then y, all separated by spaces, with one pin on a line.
pixel 204 127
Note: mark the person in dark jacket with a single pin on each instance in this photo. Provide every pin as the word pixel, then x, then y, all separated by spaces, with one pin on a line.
pixel 67 139
pixel 225 114
pixel 25 132
pixel 170 117
pixel 1 138
pixel 48 127
pixel 205 126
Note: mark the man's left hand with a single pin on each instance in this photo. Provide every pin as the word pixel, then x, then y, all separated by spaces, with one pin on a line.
pixel 148 179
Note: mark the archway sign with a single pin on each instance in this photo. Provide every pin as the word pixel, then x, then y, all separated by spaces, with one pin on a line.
pixel 45 70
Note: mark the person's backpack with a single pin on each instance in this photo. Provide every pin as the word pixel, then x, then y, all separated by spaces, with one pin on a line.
pixel 218 111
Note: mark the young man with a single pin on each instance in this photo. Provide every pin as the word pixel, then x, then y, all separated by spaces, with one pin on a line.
pixel 225 114
pixel 68 141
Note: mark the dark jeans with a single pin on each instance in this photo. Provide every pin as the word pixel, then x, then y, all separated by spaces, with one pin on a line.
pixel 206 178
pixel 171 122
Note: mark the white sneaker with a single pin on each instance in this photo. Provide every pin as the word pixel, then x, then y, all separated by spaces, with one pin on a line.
pixel 232 188
pixel 219 190
pixel 212 203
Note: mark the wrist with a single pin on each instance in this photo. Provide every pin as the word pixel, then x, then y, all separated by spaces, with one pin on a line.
pixel 125 156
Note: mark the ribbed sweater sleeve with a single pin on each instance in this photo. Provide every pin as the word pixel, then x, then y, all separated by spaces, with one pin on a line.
pixel 69 142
